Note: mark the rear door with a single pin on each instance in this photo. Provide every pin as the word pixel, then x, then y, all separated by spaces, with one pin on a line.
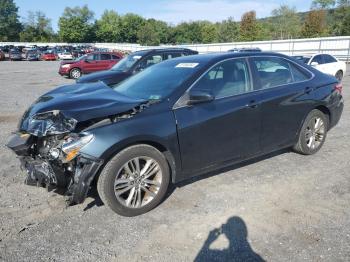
pixel 225 129
pixel 105 62
pixel 331 65
pixel 286 99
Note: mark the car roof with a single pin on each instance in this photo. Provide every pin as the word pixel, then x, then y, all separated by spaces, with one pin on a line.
pixel 166 49
pixel 214 57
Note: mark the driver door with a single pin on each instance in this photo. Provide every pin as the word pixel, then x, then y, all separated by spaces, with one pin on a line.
pixel 226 128
pixel 91 63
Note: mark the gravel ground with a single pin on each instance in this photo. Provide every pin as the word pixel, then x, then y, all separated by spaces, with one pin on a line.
pixel 282 207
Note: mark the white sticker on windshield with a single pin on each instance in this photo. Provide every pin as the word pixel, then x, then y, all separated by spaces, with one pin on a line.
pixel 186 65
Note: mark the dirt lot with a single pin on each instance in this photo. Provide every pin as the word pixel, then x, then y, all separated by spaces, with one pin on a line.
pixel 283 207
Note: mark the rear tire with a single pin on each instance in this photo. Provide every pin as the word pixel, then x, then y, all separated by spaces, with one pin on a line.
pixel 339 75
pixel 313 133
pixel 75 73
pixel 134 181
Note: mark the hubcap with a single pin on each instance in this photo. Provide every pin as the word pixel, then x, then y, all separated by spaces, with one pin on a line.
pixel 138 182
pixel 315 131
pixel 76 74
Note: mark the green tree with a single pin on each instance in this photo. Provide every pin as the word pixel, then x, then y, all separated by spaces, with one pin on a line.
pixel 130 26
pixel 314 24
pixel 75 25
pixel 10 26
pixel 322 4
pixel 37 28
pixel 209 33
pixel 286 23
pixel 250 29
pixel 341 19
pixel 108 28
pixel 228 30
pixel 153 32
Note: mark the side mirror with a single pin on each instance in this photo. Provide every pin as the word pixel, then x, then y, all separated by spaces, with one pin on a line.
pixel 196 97
pixel 138 68
pixel 86 60
pixel 314 63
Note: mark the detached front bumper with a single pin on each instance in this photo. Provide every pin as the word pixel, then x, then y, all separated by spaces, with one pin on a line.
pixel 45 173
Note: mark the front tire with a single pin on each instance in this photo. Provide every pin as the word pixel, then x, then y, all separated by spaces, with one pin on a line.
pixel 134 181
pixel 75 73
pixel 313 133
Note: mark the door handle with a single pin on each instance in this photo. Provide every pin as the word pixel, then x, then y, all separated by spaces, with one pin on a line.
pixel 253 104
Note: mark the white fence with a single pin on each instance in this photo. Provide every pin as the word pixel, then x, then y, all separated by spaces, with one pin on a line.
pixel 338 46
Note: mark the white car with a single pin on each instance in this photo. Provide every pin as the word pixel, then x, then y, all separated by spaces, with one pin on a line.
pixel 65 56
pixel 325 63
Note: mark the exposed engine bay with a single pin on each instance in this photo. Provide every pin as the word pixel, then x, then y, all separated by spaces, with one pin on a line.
pixel 49 150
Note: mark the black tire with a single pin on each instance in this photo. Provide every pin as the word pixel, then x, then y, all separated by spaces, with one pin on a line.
pixel 339 75
pixel 107 178
pixel 75 73
pixel 304 146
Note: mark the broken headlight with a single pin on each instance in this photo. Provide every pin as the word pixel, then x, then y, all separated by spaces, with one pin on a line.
pixel 50 123
pixel 74 143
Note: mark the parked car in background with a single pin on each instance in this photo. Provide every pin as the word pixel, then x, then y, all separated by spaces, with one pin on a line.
pixel 245 49
pixel 2 55
pixel 89 63
pixel 172 121
pixel 65 56
pixel 48 56
pixel 134 63
pixel 325 63
pixel 32 55
pixel 15 55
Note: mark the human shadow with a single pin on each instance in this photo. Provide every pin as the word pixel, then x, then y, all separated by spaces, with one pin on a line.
pixel 238 250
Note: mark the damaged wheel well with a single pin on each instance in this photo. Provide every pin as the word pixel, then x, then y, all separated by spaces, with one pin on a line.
pixel 167 154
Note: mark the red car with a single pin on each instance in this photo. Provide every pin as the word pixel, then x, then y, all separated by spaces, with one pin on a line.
pixel 48 57
pixel 89 63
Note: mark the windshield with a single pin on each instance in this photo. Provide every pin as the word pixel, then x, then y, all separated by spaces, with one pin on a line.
pixel 127 62
pixel 158 81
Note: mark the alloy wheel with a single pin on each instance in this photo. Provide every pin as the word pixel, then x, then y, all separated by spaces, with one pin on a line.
pixel 315 133
pixel 138 182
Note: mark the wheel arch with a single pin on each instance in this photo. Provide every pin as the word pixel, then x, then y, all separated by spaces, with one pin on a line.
pixel 115 149
pixel 325 111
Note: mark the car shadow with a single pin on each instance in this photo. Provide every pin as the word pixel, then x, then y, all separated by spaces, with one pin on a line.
pixel 236 232
pixel 172 187
pixel 219 171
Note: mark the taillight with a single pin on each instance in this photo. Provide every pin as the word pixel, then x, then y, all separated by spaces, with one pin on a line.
pixel 338 88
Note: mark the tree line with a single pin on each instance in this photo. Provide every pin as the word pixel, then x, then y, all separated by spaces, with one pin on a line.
pixel 78 25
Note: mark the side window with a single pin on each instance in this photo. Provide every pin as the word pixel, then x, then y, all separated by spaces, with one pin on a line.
pixel 105 57
pixel 114 57
pixel 93 57
pixel 151 60
pixel 273 71
pixel 318 59
pixel 329 59
pixel 228 78
pixel 298 74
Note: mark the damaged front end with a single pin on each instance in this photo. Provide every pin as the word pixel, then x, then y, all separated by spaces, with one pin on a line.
pixel 49 151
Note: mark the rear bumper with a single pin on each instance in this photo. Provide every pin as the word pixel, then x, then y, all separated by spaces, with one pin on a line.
pixel 336 111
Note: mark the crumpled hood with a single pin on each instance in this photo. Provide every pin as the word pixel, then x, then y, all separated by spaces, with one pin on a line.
pixel 81 102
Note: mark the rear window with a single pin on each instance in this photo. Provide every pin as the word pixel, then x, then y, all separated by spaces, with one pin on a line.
pixel 274 71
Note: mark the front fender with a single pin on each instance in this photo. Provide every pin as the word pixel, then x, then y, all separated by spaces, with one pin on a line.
pixel 154 129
